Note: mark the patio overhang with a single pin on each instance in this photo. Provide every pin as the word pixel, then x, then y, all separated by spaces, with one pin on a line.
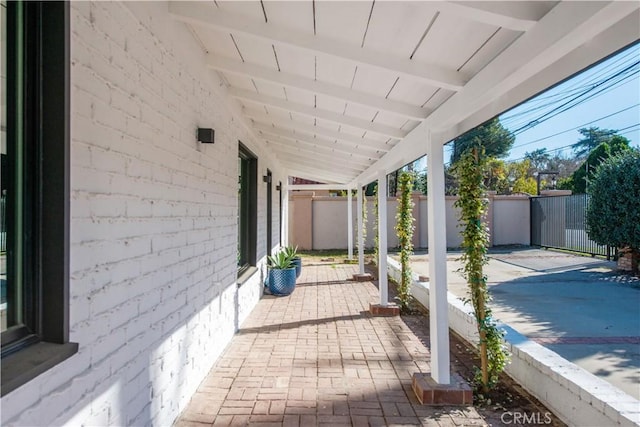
pixel 340 91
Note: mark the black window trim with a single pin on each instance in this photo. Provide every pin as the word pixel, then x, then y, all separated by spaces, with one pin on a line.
pixel 250 238
pixel 47 126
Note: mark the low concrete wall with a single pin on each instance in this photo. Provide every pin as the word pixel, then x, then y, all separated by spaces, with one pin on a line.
pixel 576 396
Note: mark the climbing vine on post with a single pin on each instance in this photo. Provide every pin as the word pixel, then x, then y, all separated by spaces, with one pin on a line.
pixel 475 240
pixel 404 230
pixel 364 222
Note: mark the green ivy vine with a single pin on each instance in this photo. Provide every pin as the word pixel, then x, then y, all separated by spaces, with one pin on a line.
pixel 473 204
pixel 364 223
pixel 404 230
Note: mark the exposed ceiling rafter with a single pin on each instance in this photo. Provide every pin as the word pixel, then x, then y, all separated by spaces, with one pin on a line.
pixel 262 119
pixel 283 104
pixel 205 14
pixel 518 16
pixel 317 162
pixel 368 149
pixel 316 174
pixel 311 149
pixel 317 87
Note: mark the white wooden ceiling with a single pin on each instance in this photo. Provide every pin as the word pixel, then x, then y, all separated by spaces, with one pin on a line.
pixel 340 90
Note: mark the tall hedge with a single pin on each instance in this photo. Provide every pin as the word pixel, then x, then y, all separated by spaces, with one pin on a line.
pixel 613 215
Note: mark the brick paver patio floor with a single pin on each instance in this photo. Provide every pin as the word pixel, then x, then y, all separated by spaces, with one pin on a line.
pixel 317 357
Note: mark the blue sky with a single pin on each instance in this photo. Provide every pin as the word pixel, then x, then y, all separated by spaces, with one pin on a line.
pixel 606 96
pixel 618 82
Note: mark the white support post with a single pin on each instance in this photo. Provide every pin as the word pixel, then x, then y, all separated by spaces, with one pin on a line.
pixel 360 231
pixel 438 305
pixel 285 213
pixel 382 239
pixel 350 223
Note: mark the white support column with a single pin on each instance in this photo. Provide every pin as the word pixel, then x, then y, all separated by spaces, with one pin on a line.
pixel 285 213
pixel 360 231
pixel 438 305
pixel 350 223
pixel 382 239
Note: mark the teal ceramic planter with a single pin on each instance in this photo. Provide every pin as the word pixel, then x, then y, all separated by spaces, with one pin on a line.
pixel 282 282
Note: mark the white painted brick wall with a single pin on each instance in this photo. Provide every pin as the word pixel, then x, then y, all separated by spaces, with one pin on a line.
pixel 153 233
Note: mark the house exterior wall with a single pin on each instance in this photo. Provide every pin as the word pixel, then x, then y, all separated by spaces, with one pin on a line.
pixel 507 217
pixel 153 293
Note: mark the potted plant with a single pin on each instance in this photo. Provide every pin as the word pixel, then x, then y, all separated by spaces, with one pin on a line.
pixel 282 274
pixel 292 254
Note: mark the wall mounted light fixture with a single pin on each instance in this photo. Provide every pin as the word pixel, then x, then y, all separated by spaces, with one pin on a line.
pixel 205 135
pixel 266 178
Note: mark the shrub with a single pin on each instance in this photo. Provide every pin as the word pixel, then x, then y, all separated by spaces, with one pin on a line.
pixel 613 215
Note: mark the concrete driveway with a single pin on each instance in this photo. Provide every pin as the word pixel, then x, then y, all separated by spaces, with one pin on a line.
pixel 579 307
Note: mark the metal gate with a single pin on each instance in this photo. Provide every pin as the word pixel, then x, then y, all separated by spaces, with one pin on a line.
pixel 560 222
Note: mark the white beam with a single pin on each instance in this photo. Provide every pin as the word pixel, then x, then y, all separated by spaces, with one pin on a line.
pixel 349 224
pixel 317 187
pixel 383 284
pixel 341 177
pixel 360 231
pixel 323 162
pixel 518 16
pixel 280 145
pixel 315 174
pixel 312 148
pixel 372 146
pixel 317 87
pixel 263 119
pixel 306 110
pixel 207 15
pixel 437 232
pixel 318 162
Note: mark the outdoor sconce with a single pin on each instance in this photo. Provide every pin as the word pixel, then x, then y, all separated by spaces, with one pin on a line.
pixel 205 135
pixel 278 187
pixel 267 179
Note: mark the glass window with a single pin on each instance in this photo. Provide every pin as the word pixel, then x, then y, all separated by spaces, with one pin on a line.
pixel 247 209
pixel 34 206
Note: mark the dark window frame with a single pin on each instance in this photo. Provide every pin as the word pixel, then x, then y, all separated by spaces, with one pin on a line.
pixel 248 209
pixel 38 93
pixel 269 212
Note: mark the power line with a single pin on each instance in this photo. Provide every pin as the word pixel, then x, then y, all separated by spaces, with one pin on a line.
pixel 567 105
pixel 580 87
pixel 577 127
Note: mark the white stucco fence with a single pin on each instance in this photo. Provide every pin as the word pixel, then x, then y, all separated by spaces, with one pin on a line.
pixel 576 396
pixel 508 219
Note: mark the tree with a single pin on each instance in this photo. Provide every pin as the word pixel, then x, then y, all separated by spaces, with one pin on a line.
pixel 585 173
pixel 539 159
pixel 613 214
pixel 521 179
pixel 496 178
pixel 491 135
pixel 565 166
pixel 591 138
